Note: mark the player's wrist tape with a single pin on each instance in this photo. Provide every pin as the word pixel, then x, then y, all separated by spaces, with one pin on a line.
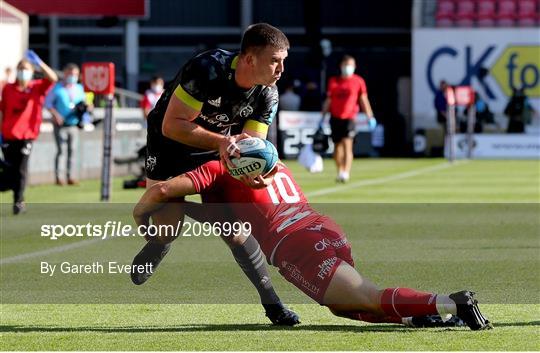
pixel 232 147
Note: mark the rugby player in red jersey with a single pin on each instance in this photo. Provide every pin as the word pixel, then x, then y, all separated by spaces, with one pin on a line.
pixel 310 249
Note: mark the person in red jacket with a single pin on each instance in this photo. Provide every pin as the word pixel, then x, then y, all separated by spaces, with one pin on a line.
pixel 20 119
pixel 345 94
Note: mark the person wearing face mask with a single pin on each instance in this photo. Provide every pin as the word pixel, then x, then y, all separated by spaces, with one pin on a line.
pixel 152 95
pixel 345 95
pixel 62 102
pixel 20 119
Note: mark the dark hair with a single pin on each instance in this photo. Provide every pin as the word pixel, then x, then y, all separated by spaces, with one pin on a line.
pixel 260 35
pixel 347 57
pixel 156 77
pixel 24 61
pixel 71 66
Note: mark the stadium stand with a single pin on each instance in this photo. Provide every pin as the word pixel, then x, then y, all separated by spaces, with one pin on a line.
pixel 487 13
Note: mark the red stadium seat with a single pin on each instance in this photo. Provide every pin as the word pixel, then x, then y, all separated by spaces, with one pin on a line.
pixel 486 8
pixel 506 7
pixel 465 8
pixel 485 19
pixel 446 7
pixel 527 6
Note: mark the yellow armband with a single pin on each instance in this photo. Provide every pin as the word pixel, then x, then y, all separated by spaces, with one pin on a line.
pixel 185 97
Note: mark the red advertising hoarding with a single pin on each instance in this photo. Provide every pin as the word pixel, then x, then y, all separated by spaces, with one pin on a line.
pixel 86 8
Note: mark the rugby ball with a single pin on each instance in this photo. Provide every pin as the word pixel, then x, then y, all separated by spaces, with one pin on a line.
pixel 257 157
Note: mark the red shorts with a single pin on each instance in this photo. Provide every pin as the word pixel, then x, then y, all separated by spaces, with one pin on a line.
pixel 309 257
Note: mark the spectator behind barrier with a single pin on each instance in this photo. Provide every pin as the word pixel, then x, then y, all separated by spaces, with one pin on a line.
pixel 67 104
pixel 152 95
pixel 20 119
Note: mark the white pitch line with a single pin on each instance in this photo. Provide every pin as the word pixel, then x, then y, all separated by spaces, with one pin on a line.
pixel 383 180
pixel 54 250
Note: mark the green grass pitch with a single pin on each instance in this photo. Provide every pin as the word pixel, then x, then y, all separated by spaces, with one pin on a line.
pixel 421 223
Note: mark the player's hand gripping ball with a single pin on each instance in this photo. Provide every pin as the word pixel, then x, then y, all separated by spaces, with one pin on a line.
pixel 257 157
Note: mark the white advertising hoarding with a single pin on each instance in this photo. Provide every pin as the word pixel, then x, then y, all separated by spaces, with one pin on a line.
pixel 297 129
pixel 511 146
pixel 491 60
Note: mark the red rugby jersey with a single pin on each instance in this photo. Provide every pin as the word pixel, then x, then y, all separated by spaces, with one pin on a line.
pixel 344 93
pixel 273 212
pixel 22 110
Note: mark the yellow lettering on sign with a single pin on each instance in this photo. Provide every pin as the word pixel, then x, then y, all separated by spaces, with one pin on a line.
pixel 519 66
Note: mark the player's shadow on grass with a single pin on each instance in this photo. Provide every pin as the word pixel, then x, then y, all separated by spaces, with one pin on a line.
pixel 239 327
pixel 208 328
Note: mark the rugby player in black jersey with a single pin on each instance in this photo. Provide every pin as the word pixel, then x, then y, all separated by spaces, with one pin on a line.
pixel 216 99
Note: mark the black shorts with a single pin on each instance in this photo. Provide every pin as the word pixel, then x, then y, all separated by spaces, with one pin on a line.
pixel 166 158
pixel 342 128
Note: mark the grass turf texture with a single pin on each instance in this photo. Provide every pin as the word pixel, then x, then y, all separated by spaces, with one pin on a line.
pixel 494 241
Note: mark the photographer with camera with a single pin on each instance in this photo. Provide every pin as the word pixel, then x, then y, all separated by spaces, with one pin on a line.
pixel 66 102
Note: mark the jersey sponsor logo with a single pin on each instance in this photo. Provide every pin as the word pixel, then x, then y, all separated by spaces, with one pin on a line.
pixel 326 266
pixel 315 228
pixel 215 102
pixel 322 244
pixel 218 121
pixel 295 274
pixel 222 117
pixel 246 111
pixel 151 163
pixel 325 243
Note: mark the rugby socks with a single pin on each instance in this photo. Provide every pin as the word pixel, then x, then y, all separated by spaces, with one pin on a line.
pixel 251 260
pixel 445 306
pixel 403 302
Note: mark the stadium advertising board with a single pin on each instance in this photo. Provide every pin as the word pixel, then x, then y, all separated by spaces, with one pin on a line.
pixel 122 8
pixel 492 61
pixel 296 129
pixel 498 146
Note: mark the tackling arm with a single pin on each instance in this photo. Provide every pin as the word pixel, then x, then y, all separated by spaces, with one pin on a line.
pixel 156 196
